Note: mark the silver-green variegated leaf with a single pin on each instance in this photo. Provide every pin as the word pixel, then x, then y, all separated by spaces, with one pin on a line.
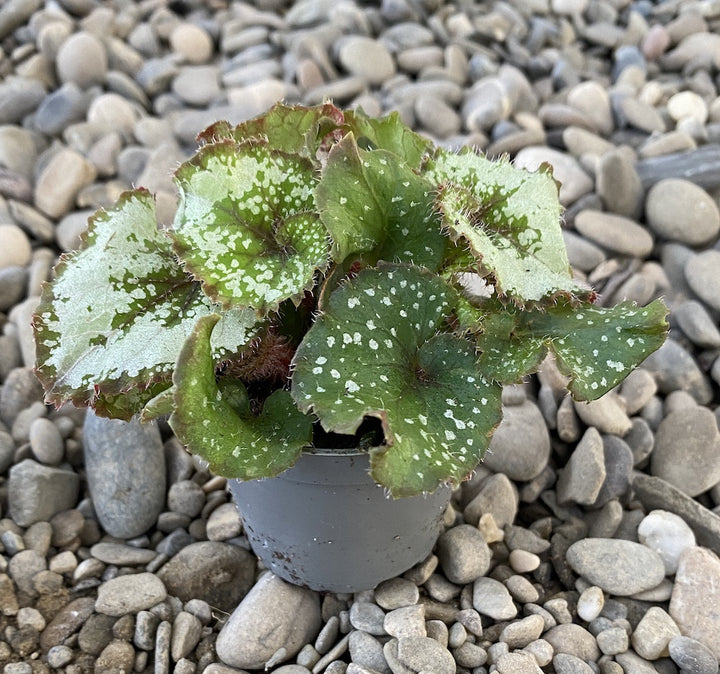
pixel 247 227
pixel 510 219
pixel 597 347
pixel 118 311
pixel 218 425
pixel 374 204
pixel 376 352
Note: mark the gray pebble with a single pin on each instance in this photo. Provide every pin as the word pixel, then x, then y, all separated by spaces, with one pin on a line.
pixel 523 561
pixel 367 651
pixel 695 597
pixel 13 282
pixel 60 181
pixel 82 59
pixel 521 589
pixel 687 450
pixel 692 656
pixel 197 85
pixel 679 210
pixel 652 634
pixel 96 633
pixel 619 460
pixel 701 272
pixel 633 568
pixel 16 251
pixel 607 414
pixel 470 619
pixel 613 641
pixel 67 621
pixel 122 555
pixel 637 389
pixel 520 446
pixel 367 617
pixel 463 553
pixel 406 35
pixel 186 497
pixel 186 633
pixel 564 663
pixel 408 621
pixel 130 594
pixel 584 474
pixel 7 451
pixel 470 655
pixel 162 646
pixel 224 523
pixel 219 573
pixel 696 323
pixel 61 108
pixel 46 442
pixel 37 492
pixel 619 185
pixel 146 624
pixel 520 633
pixel 457 635
pixel 574 640
pixel 583 254
pixel 59 656
pixel 15 13
pixel 437 117
pixel 266 620
pixel 23 567
pixel 396 593
pixel 441 589
pixel 638 114
pixel 517 663
pixel 616 233
pixel 497 497
pixel 425 654
pixel 591 98
pixel 362 56
pixel 491 598
pixel 20 96
pixel 675 369
pixel 125 466
pixel 520 538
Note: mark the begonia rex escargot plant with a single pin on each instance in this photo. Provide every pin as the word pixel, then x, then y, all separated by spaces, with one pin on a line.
pixel 312 291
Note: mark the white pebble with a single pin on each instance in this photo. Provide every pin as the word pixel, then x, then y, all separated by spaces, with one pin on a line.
pixel 668 535
pixel 591 603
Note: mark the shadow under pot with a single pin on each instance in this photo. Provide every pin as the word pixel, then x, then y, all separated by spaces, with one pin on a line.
pixel 326 525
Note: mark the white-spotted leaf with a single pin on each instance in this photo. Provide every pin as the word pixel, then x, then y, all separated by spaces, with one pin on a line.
pixel 219 426
pixel 374 204
pixel 597 347
pixel 111 325
pixel 376 352
pixel 247 226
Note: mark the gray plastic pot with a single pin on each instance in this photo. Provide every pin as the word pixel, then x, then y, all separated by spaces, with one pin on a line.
pixel 324 524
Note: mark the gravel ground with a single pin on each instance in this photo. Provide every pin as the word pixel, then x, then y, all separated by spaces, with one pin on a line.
pixel 589 539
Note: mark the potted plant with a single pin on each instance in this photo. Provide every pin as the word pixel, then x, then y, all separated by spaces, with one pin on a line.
pixel 316 302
